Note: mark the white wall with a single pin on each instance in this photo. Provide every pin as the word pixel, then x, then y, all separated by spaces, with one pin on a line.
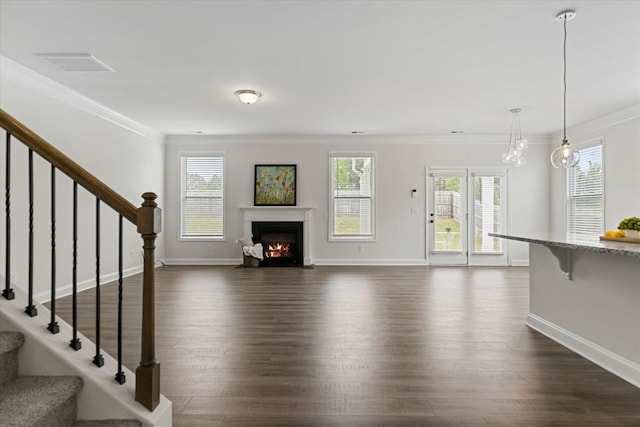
pixel 400 166
pixel 621 155
pixel 127 161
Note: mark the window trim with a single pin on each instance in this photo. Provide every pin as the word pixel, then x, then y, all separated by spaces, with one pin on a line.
pixel 582 146
pixel 180 237
pixel 359 238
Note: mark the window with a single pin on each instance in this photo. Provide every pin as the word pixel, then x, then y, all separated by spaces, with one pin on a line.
pixel 202 197
pixel 352 197
pixel 585 214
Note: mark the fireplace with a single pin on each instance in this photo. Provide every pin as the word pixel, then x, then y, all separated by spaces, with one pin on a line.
pixel 283 214
pixel 281 242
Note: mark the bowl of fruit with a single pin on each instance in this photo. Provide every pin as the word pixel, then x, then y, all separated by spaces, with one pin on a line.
pixel 615 233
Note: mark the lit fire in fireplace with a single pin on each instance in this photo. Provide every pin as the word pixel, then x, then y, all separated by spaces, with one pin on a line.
pixel 277 250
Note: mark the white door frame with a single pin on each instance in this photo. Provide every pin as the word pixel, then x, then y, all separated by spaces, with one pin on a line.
pixel 447 257
pixel 479 258
pixel 470 258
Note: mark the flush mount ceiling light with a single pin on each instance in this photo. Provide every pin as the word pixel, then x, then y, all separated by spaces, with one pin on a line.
pixel 248 96
pixel 565 156
pixel 517 144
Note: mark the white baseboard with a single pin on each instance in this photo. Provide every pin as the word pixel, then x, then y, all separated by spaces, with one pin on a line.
pixel 612 362
pixel 238 261
pixel 44 297
pixel 355 261
pixel 524 262
pixel 202 261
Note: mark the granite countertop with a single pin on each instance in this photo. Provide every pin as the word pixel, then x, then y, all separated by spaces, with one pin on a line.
pixel 583 243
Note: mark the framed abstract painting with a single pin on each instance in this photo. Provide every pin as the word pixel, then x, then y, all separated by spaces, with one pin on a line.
pixel 275 185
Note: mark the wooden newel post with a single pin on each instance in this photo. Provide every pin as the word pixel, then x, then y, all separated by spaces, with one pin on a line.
pixel 148 373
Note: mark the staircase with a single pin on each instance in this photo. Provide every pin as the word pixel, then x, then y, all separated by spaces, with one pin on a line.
pixel 39 400
pixel 63 384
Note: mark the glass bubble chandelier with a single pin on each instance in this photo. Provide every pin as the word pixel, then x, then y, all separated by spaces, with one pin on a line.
pixel 517 144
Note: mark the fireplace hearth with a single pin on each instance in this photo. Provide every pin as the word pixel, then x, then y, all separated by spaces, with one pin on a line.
pixel 281 242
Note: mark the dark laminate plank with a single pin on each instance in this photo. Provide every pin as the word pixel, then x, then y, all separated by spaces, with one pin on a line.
pixel 358 346
pixel 350 421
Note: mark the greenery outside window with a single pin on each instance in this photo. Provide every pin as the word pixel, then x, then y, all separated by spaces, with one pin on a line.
pixel 352 197
pixel 202 197
pixel 585 192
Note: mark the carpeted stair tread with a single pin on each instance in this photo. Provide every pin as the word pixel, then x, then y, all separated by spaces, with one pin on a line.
pixel 10 341
pixel 36 401
pixel 109 423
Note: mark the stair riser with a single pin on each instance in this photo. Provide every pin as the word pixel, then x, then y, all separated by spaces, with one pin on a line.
pixel 8 366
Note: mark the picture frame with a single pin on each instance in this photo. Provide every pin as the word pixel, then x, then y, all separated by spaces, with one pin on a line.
pixel 275 185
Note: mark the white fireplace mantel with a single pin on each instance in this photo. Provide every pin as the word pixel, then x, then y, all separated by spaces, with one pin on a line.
pixel 282 214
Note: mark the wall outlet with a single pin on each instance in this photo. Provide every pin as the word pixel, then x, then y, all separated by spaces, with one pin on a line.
pixel 13 278
pixel 360 248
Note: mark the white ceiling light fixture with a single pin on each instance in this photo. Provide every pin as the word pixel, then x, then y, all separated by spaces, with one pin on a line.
pixel 248 96
pixel 565 156
pixel 517 144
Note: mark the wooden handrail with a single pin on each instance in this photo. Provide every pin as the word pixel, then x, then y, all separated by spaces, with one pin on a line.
pixel 68 167
pixel 148 224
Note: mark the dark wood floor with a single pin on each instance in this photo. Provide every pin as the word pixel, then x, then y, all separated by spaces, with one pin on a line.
pixel 360 346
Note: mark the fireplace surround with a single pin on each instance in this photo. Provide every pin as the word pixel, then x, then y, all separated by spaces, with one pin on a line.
pixel 282 214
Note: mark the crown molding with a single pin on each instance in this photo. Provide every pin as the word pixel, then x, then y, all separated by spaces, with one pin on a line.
pixel 373 140
pixel 599 124
pixel 24 76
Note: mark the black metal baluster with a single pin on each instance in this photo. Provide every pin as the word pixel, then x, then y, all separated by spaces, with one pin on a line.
pixel 75 342
pixel 30 309
pixel 120 377
pixel 53 325
pixel 7 292
pixel 98 360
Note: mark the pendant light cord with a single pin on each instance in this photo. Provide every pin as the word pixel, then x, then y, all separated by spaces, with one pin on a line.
pixel 564 55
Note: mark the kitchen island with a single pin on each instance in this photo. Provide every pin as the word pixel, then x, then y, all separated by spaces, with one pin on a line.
pixel 585 294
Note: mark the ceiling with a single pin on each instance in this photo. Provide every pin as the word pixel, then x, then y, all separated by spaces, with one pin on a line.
pixel 333 67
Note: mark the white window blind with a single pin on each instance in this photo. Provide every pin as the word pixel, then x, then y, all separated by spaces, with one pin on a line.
pixel 202 197
pixel 352 187
pixel 585 210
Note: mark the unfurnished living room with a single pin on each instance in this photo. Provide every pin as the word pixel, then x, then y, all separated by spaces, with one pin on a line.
pixel 319 213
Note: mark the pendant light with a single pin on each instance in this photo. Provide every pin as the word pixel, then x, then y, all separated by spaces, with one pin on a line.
pixel 517 144
pixel 565 156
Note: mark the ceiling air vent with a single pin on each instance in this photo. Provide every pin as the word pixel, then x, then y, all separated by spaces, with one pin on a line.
pixel 74 61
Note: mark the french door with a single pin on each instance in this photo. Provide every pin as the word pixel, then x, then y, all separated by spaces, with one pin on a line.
pixel 447 210
pixel 464 205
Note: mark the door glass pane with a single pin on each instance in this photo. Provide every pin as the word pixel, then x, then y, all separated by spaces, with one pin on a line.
pixel 447 213
pixel 487 214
